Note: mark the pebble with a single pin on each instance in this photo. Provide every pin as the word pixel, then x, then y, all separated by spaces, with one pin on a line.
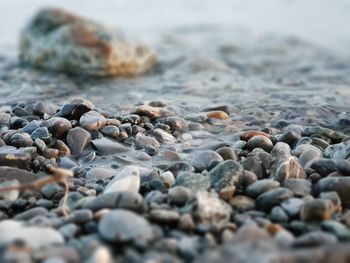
pixel 201 161
pixel 290 137
pixel 333 135
pixel 195 182
pixel 324 166
pixel 9 195
pixel 126 200
pixel 338 151
pixel 124 226
pixel 106 146
pixel 242 203
pixel 92 120
pixel 309 155
pixel 75 108
pixel 58 126
pixel 278 215
pixel 246 136
pixel 261 186
pixel 100 173
pixel 110 131
pixel 225 174
pixel 209 209
pixel 341 185
pixel 29 214
pixel 273 197
pixel 80 216
pixel 21 140
pixel 300 187
pixel 314 238
pixel 77 140
pixel 227 153
pixel 285 165
pixel 341 231
pixel 168 178
pixel 317 210
pixel 292 206
pixel 33 236
pixel 343 167
pixel 141 141
pixel 127 179
pixel 164 216
pixel 41 133
pixel 69 231
pixel 177 123
pixel 179 195
pixel 171 155
pixel 164 137
pixel 259 141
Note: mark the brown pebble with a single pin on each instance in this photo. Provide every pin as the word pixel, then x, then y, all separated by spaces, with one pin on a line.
pixel 218 115
pixel 245 136
pixel 227 192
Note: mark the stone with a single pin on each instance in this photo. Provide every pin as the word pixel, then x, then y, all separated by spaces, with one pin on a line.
pixel 314 238
pixel 77 140
pixel 127 179
pixel 33 236
pixel 195 182
pixel 324 166
pixel 164 216
pixel 343 167
pixel 227 153
pixel 341 185
pixel 338 151
pixel 12 173
pixel 124 226
pixel 58 40
pixel 168 178
pixel 333 135
pixel 41 133
pixel 110 131
pixel 242 203
pixel 21 140
pixel 92 120
pixel 278 215
pixel 341 231
pixel 80 216
pixel 259 141
pixel 126 200
pixel 74 109
pixel 58 126
pixel 11 195
pixel 300 187
pixel 106 146
pixel 317 210
pixel 290 137
pixel 152 112
pixel 40 108
pixel 292 206
pixel 285 165
pixel 261 186
pixel 177 123
pixel 100 173
pixel 29 214
pixel 141 141
pixel 179 195
pixel 225 174
pixel 273 197
pixel 209 209
pixel 309 154
pixel 164 137
pixel 201 161
pixel 246 136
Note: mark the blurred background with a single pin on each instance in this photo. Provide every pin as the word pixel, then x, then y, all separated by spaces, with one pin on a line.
pixel 322 22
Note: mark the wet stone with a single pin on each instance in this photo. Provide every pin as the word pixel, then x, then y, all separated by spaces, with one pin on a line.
pixel 77 139
pixel 202 160
pixel 227 153
pixel 273 197
pixel 261 186
pixel 164 216
pixel 14 158
pixel 36 211
pixel 338 151
pixel 335 136
pixel 225 174
pixel 126 200
pixel 141 141
pixel 21 140
pixel 58 126
pixel 300 187
pixel 128 179
pixel 292 206
pixel 92 120
pixel 324 166
pixel 124 226
pixel 290 137
pixel 74 109
pixel 341 185
pixel 179 167
pixel 341 231
pixel 179 195
pixel 343 167
pixel 317 210
pixel 259 141
pixel 110 131
pixel 106 146
pixel 314 238
pixel 278 215
pixel 285 165
pixel 246 136
pixel 242 203
pixel 41 133
pixel 9 195
pixel 100 173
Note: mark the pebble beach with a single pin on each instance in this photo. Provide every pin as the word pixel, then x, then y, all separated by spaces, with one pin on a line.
pixel 207 144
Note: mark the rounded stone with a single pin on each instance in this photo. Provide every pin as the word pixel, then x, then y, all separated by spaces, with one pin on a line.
pixel 21 140
pixel 92 120
pixel 179 195
pixel 273 197
pixel 225 174
pixel 124 226
pixel 317 210
pixel 58 126
pixel 259 141
pixel 261 186
pixel 324 166
pixel 202 160
pixel 227 153
pixel 77 139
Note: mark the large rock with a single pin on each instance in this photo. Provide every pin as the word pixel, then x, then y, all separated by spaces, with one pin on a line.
pixel 58 40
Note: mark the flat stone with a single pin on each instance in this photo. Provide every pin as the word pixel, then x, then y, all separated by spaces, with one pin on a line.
pixel 58 40
pixel 261 186
pixel 141 141
pixel 273 197
pixel 33 236
pixel 127 179
pixel 124 226
pixel 126 200
pixel 77 140
pixel 100 173
pixel 106 146
pixel 314 238
pixel 164 216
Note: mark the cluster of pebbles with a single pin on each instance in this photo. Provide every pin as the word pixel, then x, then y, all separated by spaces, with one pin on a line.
pixel 156 184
